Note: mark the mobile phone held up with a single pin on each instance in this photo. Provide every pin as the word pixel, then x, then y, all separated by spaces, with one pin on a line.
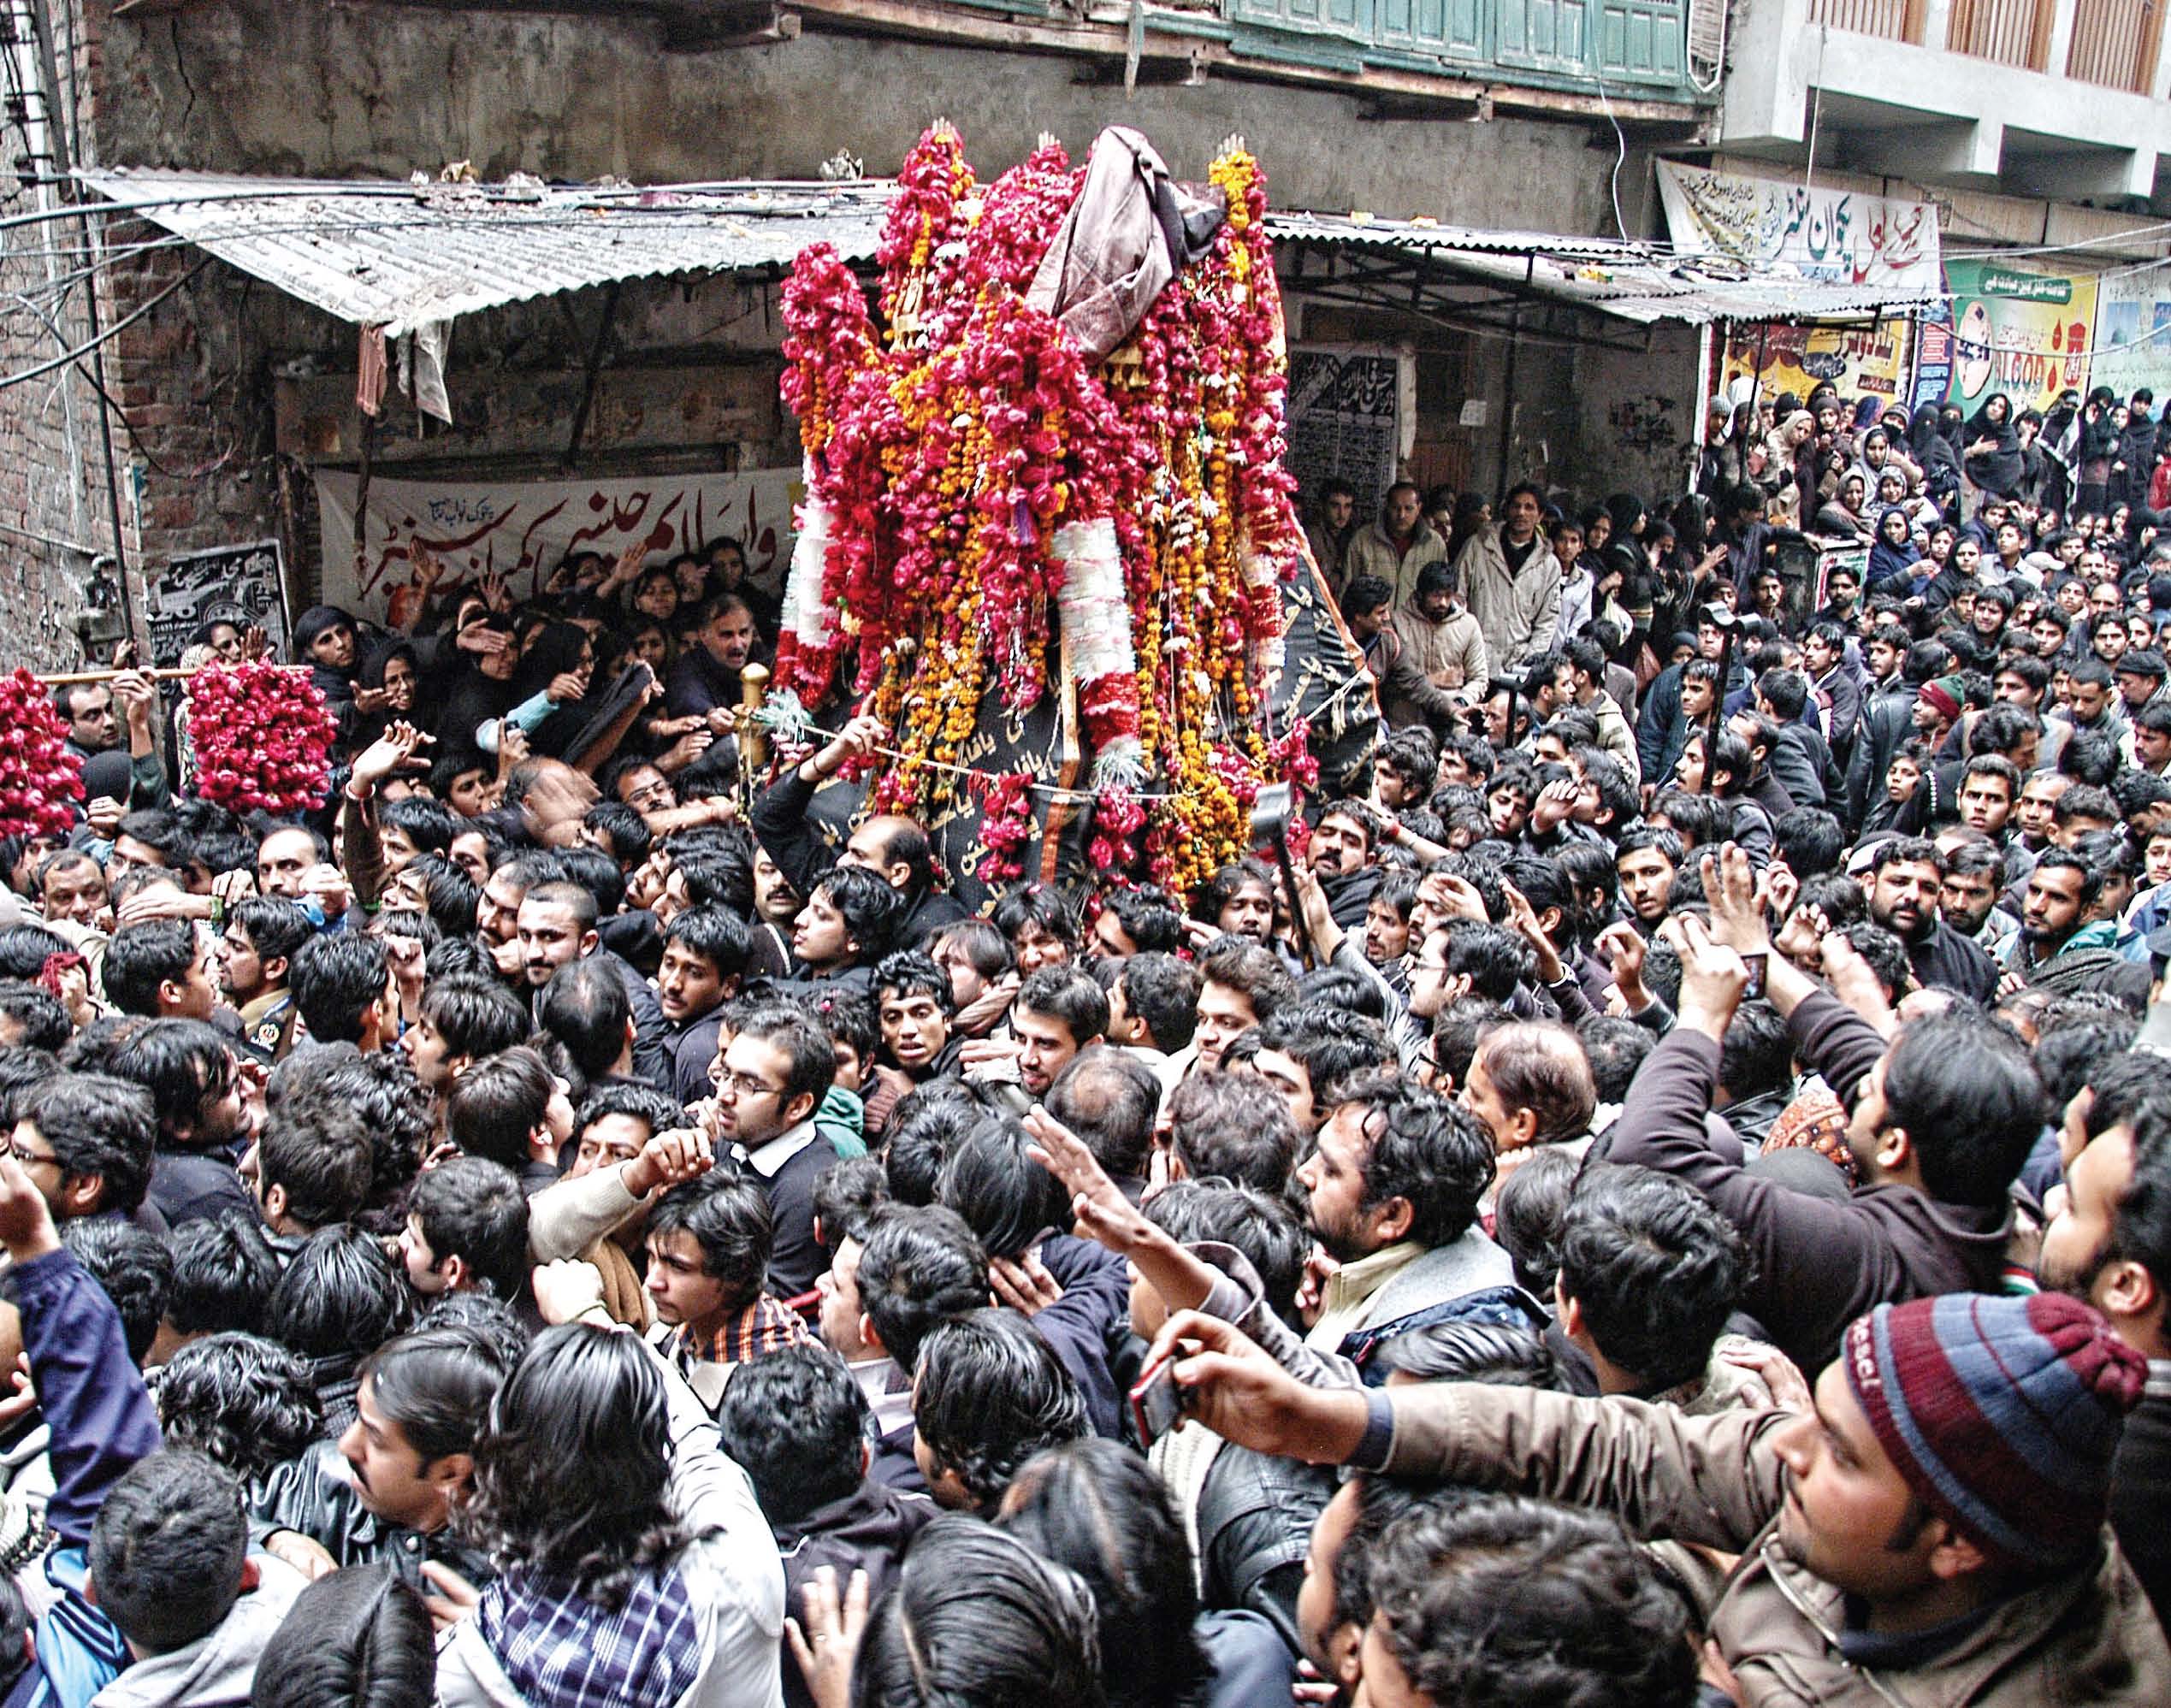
pixel 1157 1406
pixel 1756 963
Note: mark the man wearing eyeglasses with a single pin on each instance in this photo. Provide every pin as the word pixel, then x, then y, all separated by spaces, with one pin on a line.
pixel 85 1140
pixel 771 1078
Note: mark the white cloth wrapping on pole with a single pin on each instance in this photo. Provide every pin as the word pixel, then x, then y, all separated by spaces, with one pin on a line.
pixel 1096 618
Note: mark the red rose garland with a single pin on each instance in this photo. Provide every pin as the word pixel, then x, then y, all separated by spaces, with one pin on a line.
pixel 263 738
pixel 1006 824
pixel 39 778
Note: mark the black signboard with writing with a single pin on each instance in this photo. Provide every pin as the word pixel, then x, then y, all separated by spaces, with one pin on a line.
pixel 244 585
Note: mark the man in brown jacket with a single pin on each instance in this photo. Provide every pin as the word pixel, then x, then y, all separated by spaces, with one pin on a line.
pixel 1929 1533
pixel 1441 639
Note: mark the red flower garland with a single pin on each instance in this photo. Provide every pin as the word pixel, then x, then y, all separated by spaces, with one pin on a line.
pixel 1006 824
pixel 946 448
pixel 263 738
pixel 39 778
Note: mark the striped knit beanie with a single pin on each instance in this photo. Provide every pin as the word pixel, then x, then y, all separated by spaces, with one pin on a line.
pixel 1945 693
pixel 2002 1415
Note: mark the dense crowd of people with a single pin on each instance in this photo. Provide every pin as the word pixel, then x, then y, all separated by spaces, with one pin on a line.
pixel 1662 1197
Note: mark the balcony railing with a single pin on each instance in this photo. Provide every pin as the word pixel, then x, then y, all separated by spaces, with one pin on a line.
pixel 1896 20
pixel 1570 43
pixel 2115 42
pixel 2010 32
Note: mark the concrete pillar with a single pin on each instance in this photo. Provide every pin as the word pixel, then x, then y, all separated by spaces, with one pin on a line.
pixel 2061 48
pixel 1936 22
pixel 2160 83
pixel 1768 84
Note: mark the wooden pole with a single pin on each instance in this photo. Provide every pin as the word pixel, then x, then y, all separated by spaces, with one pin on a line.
pixel 753 740
pixel 69 678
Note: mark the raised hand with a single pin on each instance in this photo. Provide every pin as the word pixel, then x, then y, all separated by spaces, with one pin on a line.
pixel 667 1160
pixel 1555 801
pixel 1098 1203
pixel 25 1223
pixel 1713 977
pixel 1737 908
pixel 138 698
pixel 376 763
pixel 1522 918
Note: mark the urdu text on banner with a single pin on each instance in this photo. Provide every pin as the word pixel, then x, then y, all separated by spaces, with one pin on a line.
pixel 523 529
pixel 1824 233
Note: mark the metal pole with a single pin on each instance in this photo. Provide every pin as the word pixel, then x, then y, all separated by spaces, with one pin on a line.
pixel 57 130
pixel 594 362
pixel 1515 339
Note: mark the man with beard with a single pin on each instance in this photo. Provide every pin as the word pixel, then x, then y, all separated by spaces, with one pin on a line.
pixel 1968 900
pixel 1905 883
pixel 497 910
pixel 1393 1185
pixel 1341 851
pixel 2055 918
pixel 2111 1244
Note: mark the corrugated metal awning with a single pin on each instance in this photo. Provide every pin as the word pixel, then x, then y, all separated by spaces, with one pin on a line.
pixel 1637 282
pixel 401 256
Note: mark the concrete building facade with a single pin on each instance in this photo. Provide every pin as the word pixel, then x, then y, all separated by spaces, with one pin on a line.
pixel 217 397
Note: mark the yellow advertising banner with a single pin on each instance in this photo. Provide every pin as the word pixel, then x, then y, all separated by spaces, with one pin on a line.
pixel 2018 330
pixel 1866 360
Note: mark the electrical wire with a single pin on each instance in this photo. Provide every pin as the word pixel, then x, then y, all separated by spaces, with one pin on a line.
pixel 491 212
pixel 105 337
pixel 1620 157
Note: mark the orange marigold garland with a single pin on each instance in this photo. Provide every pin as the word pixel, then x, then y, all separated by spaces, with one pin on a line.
pixel 974 488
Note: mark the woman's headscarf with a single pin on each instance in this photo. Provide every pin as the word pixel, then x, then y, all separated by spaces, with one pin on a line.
pixel 1627 510
pixel 336 685
pixel 1890 561
pixel 553 651
pixel 367 726
pixel 1996 470
pixel 472 698
pixel 316 621
pixel 380 658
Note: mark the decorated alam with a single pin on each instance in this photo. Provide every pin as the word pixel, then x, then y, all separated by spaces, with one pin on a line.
pixel 1131 1086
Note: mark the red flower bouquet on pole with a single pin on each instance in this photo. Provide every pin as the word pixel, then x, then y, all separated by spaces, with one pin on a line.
pixel 39 778
pixel 263 738
pixel 1039 473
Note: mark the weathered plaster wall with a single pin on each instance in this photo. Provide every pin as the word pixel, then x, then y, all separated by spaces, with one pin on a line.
pixel 349 91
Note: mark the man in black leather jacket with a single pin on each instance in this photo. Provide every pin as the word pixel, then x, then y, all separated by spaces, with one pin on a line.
pixel 407 1458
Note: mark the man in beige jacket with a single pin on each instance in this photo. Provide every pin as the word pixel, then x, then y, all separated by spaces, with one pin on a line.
pixel 1512 583
pixel 1397 546
pixel 1440 637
